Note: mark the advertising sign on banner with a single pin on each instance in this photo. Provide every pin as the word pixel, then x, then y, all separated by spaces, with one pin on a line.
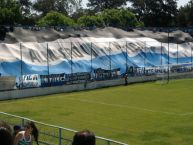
pixel 78 77
pixel 53 80
pixel 29 81
pixel 102 74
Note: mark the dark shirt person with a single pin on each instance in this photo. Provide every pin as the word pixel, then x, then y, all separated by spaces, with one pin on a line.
pixel 126 79
pixel 84 137
pixel 16 129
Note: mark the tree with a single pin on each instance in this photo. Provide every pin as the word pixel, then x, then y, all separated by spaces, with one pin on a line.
pixel 100 5
pixel 119 18
pixel 55 19
pixel 28 15
pixel 61 6
pixel 82 12
pixel 155 12
pixel 90 21
pixel 25 6
pixel 9 12
pixel 128 19
pixel 185 15
pixel 111 17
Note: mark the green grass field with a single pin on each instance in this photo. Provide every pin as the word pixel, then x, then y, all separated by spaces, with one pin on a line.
pixel 138 114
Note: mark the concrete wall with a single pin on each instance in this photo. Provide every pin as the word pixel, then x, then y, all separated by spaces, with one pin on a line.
pixel 13 94
pixel 7 83
pixel 24 93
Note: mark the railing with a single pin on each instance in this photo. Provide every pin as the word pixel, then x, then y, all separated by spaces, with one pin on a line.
pixel 51 134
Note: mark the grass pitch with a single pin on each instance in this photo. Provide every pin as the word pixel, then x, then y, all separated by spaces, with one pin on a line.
pixel 138 114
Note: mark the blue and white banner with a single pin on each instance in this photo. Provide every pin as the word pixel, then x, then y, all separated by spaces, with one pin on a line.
pixel 89 53
pixel 52 80
pixel 29 81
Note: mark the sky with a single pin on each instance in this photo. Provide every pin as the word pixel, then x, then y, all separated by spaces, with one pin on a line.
pixel 180 2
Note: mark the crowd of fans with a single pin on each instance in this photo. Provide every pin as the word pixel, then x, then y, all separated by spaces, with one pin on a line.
pixel 30 133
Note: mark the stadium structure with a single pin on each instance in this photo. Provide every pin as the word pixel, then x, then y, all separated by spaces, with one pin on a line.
pixel 38 61
pixel 63 52
pixel 47 57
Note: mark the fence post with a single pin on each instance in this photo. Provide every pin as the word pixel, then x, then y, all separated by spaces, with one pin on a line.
pixel 110 59
pixel 177 53
pixel 91 59
pixel 22 122
pixel 191 58
pixel 168 57
pixel 21 86
pixel 71 59
pixel 145 57
pixel 108 142
pixel 48 65
pixel 126 68
pixel 161 54
pixel 60 136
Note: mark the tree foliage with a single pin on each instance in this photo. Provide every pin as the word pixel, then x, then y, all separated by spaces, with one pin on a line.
pixel 90 21
pixel 100 5
pixel 119 18
pixel 155 12
pixel 110 17
pixel 82 12
pixel 55 19
pixel 185 15
pixel 25 6
pixel 9 12
pixel 61 6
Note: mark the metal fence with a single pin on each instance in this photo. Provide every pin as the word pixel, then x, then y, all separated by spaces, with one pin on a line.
pixel 51 134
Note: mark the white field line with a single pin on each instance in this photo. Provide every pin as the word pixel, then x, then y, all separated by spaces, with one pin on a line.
pixel 132 107
pixel 187 114
pixel 125 106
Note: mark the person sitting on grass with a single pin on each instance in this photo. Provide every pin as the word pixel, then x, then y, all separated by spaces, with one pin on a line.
pixel 84 137
pixel 5 134
pixel 25 137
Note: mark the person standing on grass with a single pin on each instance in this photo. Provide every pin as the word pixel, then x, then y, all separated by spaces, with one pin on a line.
pixel 25 137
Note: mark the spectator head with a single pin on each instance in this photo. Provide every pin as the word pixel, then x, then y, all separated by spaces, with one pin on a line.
pixel 5 134
pixel 16 129
pixel 84 137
